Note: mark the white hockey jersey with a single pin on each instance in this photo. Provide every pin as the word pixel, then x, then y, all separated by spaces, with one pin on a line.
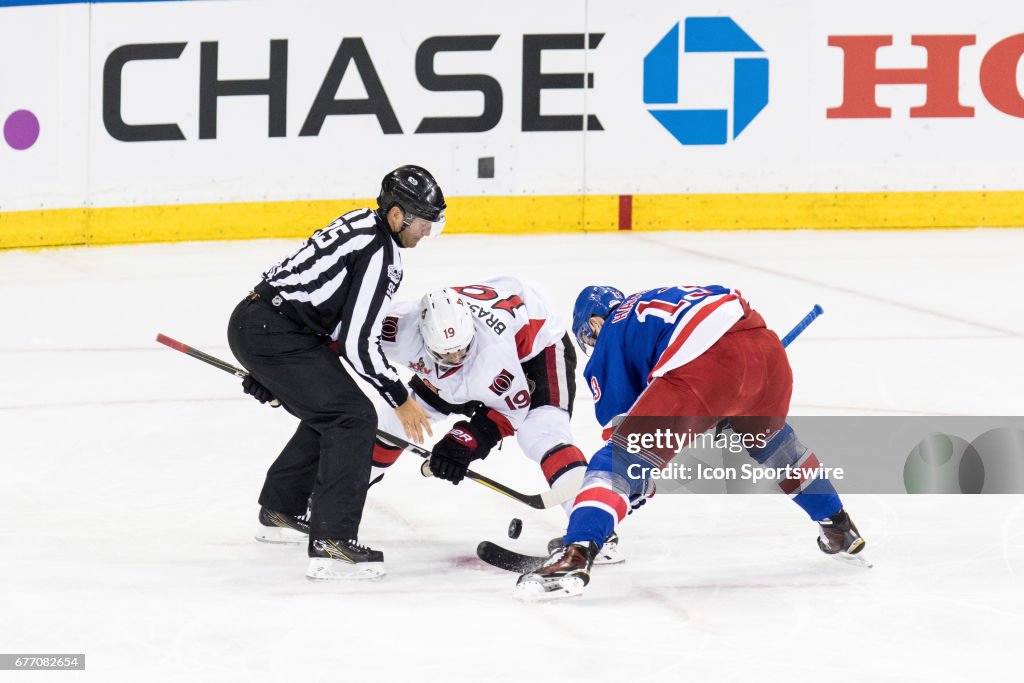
pixel 513 323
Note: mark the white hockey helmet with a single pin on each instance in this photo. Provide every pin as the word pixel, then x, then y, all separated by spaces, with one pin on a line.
pixel 446 323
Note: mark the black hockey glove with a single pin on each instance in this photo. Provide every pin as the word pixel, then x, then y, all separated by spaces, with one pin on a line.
pixel 258 391
pixel 452 456
pixel 464 443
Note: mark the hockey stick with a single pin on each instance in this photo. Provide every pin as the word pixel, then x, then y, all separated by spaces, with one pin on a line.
pixel 539 501
pixel 802 325
pixel 206 358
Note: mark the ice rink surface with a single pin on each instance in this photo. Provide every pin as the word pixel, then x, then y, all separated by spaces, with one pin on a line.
pixel 130 476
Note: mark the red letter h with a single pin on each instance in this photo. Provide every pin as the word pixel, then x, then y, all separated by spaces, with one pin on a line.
pixel 941 77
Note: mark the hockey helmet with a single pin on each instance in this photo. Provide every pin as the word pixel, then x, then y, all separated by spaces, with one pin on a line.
pixel 593 300
pixel 415 191
pixel 446 324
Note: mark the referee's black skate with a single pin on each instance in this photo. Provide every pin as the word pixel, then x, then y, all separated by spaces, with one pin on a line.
pixel 838 536
pixel 564 574
pixel 332 559
pixel 277 527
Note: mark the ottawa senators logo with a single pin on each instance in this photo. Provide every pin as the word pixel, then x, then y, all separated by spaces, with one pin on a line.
pixel 501 383
pixel 419 367
pixel 389 330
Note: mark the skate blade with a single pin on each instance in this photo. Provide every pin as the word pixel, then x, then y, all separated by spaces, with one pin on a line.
pixel 857 560
pixel 280 536
pixel 606 557
pixel 539 590
pixel 325 569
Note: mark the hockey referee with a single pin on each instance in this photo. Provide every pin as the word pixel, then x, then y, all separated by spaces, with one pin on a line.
pixel 333 292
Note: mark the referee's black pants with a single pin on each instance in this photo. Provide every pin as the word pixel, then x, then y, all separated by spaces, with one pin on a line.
pixel 331 451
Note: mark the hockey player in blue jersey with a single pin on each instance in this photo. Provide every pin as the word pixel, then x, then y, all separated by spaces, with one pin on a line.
pixel 679 359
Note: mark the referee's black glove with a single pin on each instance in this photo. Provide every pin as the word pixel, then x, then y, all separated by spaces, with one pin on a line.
pixel 258 391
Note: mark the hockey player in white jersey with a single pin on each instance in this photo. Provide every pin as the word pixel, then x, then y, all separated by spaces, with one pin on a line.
pixel 497 353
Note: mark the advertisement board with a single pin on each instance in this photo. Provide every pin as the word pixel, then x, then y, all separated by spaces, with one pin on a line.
pixel 190 120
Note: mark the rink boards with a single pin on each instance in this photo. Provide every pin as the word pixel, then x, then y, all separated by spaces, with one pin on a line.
pixel 164 121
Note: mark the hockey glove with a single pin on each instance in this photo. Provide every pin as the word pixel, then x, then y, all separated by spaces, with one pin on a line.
pixel 464 443
pixel 637 501
pixel 258 391
pixel 451 456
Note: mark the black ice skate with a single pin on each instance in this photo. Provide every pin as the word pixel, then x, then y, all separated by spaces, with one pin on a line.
pixel 277 527
pixel 838 536
pixel 608 554
pixel 564 574
pixel 332 559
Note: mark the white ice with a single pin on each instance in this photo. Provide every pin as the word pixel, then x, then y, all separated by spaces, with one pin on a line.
pixel 130 475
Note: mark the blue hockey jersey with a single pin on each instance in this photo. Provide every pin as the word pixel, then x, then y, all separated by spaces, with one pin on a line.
pixel 651 333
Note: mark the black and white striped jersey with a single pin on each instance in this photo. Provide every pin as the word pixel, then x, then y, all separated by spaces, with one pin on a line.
pixel 338 284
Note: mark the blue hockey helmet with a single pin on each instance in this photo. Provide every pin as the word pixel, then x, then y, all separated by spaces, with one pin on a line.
pixel 593 300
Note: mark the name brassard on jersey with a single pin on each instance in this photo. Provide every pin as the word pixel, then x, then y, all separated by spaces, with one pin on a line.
pixel 489 318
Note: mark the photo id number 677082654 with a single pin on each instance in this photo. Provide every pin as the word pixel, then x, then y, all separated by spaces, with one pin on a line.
pixel 18 662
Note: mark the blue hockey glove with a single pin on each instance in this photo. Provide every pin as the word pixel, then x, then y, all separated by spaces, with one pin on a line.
pixel 638 500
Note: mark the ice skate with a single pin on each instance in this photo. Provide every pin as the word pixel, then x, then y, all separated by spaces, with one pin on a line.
pixel 608 554
pixel 565 574
pixel 838 536
pixel 277 527
pixel 332 559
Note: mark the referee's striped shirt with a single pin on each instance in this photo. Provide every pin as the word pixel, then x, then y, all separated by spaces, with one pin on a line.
pixel 337 284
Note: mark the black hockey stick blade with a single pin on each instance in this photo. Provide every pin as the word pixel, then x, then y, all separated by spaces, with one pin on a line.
pixel 509 560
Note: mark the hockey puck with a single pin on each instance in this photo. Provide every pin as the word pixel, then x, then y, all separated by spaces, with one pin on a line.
pixel 425 469
pixel 515 527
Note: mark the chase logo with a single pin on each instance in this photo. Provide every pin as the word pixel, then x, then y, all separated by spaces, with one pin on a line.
pixel 661 81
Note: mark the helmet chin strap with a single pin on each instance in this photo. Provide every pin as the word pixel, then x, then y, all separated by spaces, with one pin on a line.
pixel 445 367
pixel 395 235
pixel 406 221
